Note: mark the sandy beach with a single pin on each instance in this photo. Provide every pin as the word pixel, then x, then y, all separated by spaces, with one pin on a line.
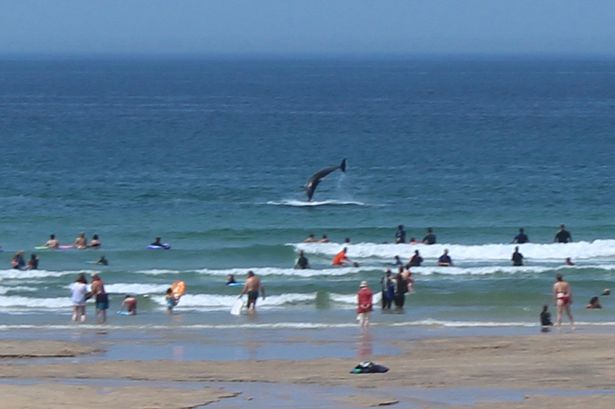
pixel 556 370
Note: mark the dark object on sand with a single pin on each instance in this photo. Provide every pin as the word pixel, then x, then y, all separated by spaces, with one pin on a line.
pixel 369 367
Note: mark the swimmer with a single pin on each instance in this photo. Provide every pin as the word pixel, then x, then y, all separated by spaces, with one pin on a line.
pixel 562 294
pixel 341 258
pixel 568 262
pixel 103 261
pixel 52 243
pixel 606 291
pixel 594 303
pixel 521 238
pixel 400 234
pixel 398 261
pixel 80 242
pixel 130 304
pixel 18 262
pixel 545 319
pixel 95 242
pixel 33 262
pixel 324 239
pixel 157 242
pixel 302 262
pixel 253 288
pixel 430 237
pixel 445 260
pixel 517 258
pixel 563 235
pixel 310 239
pixel 416 260
pixel 230 279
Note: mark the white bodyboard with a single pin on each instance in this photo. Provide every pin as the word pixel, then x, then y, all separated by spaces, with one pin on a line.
pixel 237 306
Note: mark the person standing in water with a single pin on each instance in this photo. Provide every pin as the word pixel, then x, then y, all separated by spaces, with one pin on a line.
pixel 517 258
pixel 97 290
pixel 400 234
pixel 79 291
pixel 430 237
pixel 562 294
pixel 364 304
pixel 302 262
pixel 253 288
pixel 521 238
pixel 563 235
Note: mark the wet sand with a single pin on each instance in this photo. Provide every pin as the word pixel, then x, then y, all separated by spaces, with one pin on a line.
pixel 580 366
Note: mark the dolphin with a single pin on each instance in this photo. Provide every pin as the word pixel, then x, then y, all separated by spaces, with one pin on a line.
pixel 312 183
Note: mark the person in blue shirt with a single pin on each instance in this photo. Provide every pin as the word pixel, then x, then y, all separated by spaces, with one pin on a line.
pixel 445 259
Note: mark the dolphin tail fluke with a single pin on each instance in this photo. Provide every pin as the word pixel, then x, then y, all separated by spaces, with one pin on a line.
pixel 343 165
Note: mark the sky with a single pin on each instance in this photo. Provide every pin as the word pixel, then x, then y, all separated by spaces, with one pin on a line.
pixel 291 27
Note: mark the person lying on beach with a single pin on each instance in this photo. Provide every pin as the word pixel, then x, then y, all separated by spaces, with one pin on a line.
pixel 594 303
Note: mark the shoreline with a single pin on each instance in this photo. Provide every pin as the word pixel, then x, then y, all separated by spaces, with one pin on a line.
pixel 509 371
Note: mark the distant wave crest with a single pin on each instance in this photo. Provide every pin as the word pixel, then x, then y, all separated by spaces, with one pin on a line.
pixel 302 203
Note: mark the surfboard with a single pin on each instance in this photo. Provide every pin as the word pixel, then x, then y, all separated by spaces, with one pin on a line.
pixel 61 247
pixel 124 313
pixel 233 284
pixel 164 246
pixel 178 288
pixel 237 306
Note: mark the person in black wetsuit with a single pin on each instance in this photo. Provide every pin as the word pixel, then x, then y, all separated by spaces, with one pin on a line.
pixel 517 258
pixel 416 260
pixel 563 235
pixel 545 319
pixel 430 237
pixel 400 234
pixel 302 262
pixel 521 237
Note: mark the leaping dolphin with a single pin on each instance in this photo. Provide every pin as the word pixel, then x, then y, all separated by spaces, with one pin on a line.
pixel 312 183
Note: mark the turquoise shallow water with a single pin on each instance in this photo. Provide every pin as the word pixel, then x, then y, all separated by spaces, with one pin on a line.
pixel 211 155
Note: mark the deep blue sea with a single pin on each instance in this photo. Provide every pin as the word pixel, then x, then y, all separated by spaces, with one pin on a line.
pixel 212 156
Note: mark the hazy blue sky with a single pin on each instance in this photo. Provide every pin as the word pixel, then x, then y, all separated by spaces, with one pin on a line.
pixel 307 26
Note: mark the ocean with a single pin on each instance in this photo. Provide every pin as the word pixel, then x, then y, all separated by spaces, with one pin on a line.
pixel 212 156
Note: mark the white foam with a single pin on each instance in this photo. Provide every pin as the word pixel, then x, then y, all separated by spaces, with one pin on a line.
pixel 598 249
pixel 29 274
pixel 136 289
pixel 19 302
pixel 273 271
pixel 156 272
pixel 212 302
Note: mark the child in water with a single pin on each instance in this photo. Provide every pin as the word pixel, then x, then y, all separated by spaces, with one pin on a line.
pixel 171 300
pixel 545 319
